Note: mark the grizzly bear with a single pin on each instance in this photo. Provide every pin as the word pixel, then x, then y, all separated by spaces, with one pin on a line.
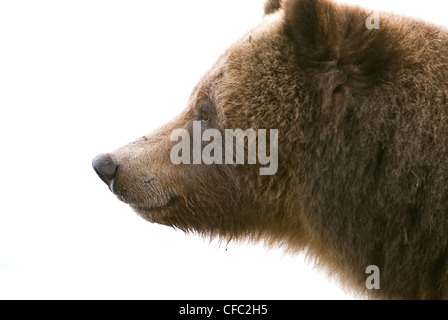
pixel 361 115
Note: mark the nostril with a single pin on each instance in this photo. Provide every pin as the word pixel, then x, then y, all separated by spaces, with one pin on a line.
pixel 105 168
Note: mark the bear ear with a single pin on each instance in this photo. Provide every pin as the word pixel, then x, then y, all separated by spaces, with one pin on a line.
pixel 328 35
pixel 315 27
pixel 272 6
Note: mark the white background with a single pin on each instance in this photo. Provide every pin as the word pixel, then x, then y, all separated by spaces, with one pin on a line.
pixel 78 78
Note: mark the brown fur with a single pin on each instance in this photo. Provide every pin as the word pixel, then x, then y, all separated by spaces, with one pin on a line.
pixel 272 6
pixel 363 147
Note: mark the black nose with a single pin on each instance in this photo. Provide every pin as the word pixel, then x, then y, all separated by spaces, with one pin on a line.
pixel 106 168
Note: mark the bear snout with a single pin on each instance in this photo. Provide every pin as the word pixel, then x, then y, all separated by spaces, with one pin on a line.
pixel 106 169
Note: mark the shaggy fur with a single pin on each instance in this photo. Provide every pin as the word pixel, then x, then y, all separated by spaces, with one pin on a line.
pixel 363 147
pixel 272 6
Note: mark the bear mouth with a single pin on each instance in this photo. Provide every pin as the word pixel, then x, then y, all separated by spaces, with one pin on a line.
pixel 155 213
pixel 157 205
pixel 154 196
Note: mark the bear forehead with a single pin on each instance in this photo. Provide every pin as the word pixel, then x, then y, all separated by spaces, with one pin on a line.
pixel 260 38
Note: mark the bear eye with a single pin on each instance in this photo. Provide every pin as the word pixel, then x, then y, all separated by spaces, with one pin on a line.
pixel 204 116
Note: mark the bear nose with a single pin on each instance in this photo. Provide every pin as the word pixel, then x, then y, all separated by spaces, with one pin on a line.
pixel 105 168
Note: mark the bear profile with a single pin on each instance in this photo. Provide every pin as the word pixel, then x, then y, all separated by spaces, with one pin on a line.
pixel 354 120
